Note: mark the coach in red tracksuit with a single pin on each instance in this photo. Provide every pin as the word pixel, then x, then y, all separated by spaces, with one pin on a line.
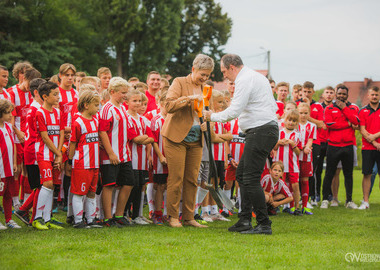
pixel 340 119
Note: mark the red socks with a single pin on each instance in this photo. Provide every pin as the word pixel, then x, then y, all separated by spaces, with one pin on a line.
pixel 305 192
pixel 28 203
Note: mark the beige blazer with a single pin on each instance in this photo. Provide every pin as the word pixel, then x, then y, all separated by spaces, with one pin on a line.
pixel 180 109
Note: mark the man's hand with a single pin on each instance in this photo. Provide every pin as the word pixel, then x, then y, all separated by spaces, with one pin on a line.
pixel 377 145
pixel 20 136
pixel 207 115
pixel 340 104
pixel 307 150
pixel 58 162
pixel 370 138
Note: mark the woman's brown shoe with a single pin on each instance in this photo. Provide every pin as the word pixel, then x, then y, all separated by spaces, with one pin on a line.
pixel 174 222
pixel 194 224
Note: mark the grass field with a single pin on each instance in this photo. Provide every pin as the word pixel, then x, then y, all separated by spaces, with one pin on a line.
pixel 320 241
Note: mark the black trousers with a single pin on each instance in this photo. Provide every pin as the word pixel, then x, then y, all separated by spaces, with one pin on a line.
pixel 319 168
pixel 259 142
pixel 312 179
pixel 333 156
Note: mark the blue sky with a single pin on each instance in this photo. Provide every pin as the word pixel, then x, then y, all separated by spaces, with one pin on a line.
pixel 326 42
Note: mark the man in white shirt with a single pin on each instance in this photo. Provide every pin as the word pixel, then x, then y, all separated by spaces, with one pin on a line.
pixel 255 107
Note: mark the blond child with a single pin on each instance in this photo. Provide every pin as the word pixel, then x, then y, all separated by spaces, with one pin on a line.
pixel 288 149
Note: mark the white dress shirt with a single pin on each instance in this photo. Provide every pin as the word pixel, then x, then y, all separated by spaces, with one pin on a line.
pixel 253 102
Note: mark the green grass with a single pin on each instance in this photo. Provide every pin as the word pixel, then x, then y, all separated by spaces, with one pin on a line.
pixel 320 241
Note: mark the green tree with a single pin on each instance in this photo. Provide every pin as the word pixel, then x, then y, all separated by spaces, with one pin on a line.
pixel 204 29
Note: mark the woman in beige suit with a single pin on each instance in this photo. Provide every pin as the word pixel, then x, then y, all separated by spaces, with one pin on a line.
pixel 183 141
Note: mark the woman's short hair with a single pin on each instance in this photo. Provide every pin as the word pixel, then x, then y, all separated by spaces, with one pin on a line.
pixel 203 61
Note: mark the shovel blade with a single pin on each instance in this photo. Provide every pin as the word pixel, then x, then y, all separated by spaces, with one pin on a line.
pixel 220 198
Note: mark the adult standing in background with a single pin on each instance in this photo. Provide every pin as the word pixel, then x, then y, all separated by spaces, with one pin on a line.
pixel 255 107
pixel 183 141
pixel 153 81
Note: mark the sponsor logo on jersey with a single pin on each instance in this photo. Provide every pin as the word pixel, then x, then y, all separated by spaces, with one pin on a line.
pixel 92 137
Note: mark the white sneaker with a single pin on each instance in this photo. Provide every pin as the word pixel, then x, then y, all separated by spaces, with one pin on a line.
pixel 146 220
pixel 2 227
pixel 218 217
pixel 207 218
pixel 324 204
pixel 364 205
pixel 139 221
pixel 13 225
pixel 351 205
pixel 313 203
pixel 334 203
pixel 309 206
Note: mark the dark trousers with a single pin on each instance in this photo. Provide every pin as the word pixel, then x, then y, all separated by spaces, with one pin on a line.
pixel 319 168
pixel 333 156
pixel 259 142
pixel 312 179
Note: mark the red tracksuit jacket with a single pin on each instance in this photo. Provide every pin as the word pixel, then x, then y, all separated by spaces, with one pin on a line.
pixel 340 133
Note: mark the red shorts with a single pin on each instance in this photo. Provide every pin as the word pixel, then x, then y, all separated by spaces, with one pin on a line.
pixel 291 177
pixel 230 173
pixel 84 180
pixel 306 169
pixel 6 184
pixel 48 173
pixel 20 153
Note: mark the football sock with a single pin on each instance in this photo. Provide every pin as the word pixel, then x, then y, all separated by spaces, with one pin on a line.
pixel 28 203
pixel 239 199
pixel 305 192
pixel 15 200
pixel 90 209
pixel 78 208
pixel 43 197
pixel 66 186
pixel 70 204
pixel 228 194
pixel 48 206
pixel 205 210
pixel 141 204
pixel 99 206
pixel 35 200
pixel 150 192
pixel 180 207
pixel 7 205
pixel 115 195
pixel 214 209
pixel 57 188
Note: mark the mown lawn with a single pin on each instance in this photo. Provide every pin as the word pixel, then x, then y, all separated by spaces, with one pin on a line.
pixel 320 241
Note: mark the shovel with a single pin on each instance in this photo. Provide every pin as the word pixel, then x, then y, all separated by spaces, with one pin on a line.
pixel 218 195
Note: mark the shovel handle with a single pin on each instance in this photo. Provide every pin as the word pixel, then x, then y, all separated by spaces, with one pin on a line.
pixel 198 107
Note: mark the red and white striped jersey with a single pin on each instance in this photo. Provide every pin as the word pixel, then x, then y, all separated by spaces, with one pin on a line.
pixel 138 127
pixel 5 95
pixel 21 100
pixel 30 156
pixel 149 115
pixel 85 133
pixel 114 121
pixel 237 143
pixel 67 100
pixel 307 131
pixel 156 125
pixel 266 167
pixel 281 107
pixel 49 122
pixel 286 154
pixel 275 188
pixel 281 123
pixel 7 150
pixel 218 148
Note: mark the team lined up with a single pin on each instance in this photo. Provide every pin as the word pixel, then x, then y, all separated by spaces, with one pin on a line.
pixel 54 137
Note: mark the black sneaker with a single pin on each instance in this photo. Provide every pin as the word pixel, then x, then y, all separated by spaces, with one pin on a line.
pixel 297 212
pixel 271 210
pixel 198 217
pixel 225 214
pixel 241 225
pixel 259 229
pixel 122 221
pixel 112 223
pixel 23 216
pixel 80 225
pixel 95 224
pixel 70 220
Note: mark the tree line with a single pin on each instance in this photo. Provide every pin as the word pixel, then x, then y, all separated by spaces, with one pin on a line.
pixel 131 37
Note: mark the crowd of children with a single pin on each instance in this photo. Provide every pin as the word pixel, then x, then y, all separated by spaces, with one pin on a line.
pixel 96 150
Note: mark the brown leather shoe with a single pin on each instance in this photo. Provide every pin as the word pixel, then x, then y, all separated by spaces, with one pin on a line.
pixel 174 223
pixel 194 224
